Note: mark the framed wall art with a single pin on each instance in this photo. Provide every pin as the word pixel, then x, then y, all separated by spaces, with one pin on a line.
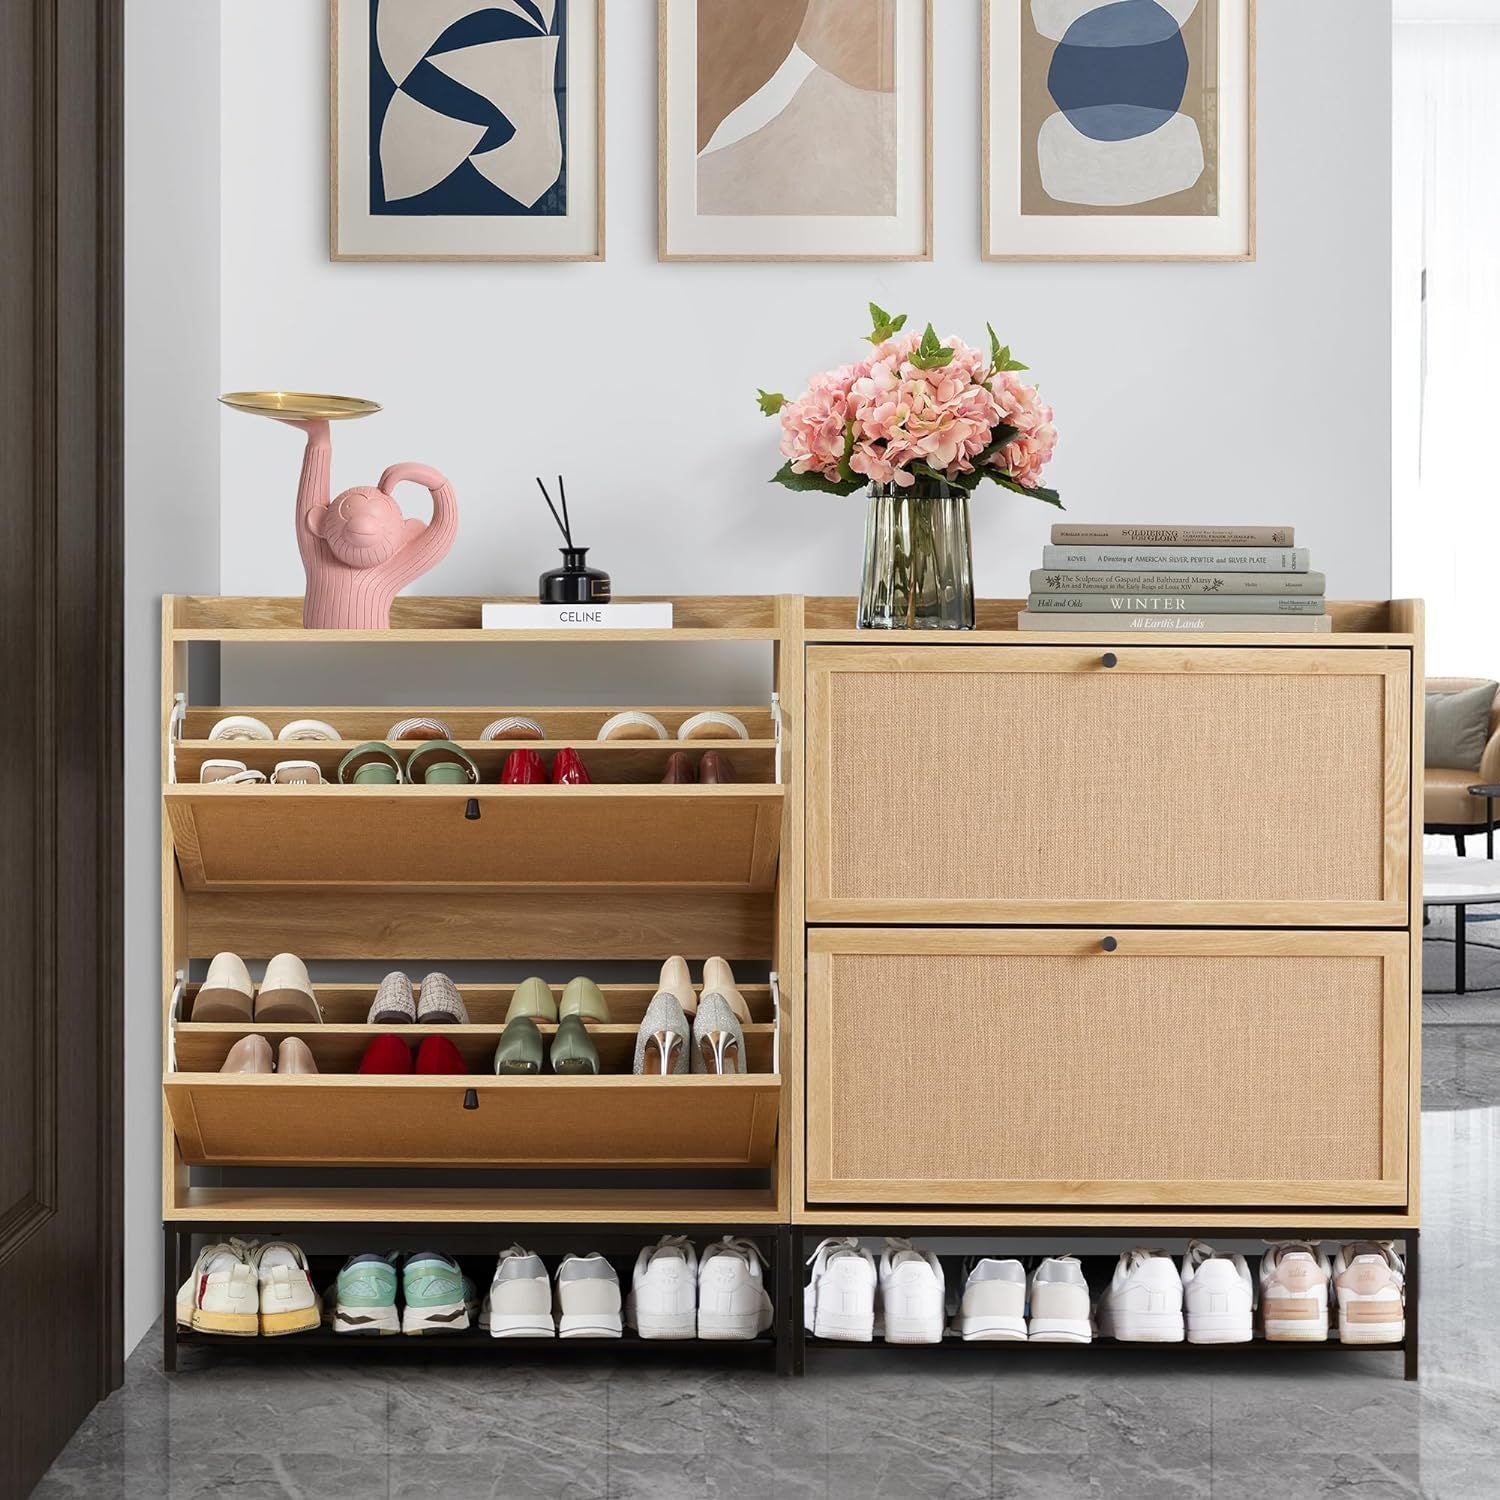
pixel 466 130
pixel 795 129
pixel 1119 129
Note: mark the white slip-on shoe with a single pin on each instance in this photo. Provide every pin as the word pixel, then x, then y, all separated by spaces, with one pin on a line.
pixel 227 993
pixel 993 1303
pixel 587 1298
pixel 286 992
pixel 311 731
pixel 838 1301
pixel 1369 1280
pixel 732 1299
pixel 1057 1301
pixel 1218 1296
pixel 663 1298
pixel 519 1305
pixel 288 1301
pixel 1294 1288
pixel 228 773
pixel 912 1293
pixel 242 727
pixel 1143 1303
pixel 222 1295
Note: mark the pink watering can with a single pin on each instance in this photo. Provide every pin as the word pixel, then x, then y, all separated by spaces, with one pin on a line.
pixel 358 550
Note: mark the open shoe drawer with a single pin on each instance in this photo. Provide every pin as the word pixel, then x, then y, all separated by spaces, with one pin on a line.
pixel 419 837
pixel 353 1120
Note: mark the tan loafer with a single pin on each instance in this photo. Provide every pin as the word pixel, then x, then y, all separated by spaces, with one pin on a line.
pixel 294 1057
pixel 534 999
pixel 227 994
pixel 677 982
pixel 718 979
pixel 286 993
pixel 584 999
pixel 251 1054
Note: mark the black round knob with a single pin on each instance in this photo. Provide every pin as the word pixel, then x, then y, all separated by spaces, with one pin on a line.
pixel 1109 944
pixel 471 810
pixel 1110 659
pixel 471 1099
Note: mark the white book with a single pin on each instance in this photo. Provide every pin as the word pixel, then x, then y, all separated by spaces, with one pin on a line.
pixel 1031 619
pixel 568 617
pixel 1180 559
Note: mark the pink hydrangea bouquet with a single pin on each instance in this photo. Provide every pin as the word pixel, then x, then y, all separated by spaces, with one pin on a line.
pixel 919 408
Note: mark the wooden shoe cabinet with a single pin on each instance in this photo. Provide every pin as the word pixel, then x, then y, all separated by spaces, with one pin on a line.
pixel 622 872
pixel 1067 940
pixel 1113 937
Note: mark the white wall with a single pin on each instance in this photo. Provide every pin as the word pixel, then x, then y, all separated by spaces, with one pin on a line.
pixel 1247 393
pixel 171 513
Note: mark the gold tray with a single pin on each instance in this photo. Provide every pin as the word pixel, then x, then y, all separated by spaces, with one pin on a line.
pixel 300 405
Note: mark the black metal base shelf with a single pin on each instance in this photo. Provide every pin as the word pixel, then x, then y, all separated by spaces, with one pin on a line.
pixel 474 1342
pixel 1052 1236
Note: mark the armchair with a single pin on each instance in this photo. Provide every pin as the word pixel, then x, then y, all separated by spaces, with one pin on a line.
pixel 1447 806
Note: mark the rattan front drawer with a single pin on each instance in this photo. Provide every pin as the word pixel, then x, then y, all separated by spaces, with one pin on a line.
pixel 1033 1068
pixel 1182 785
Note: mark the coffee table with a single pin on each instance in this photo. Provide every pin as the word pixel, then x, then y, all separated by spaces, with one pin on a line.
pixel 1452 880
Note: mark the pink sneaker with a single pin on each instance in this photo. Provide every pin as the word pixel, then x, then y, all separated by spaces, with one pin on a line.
pixel 1294 1281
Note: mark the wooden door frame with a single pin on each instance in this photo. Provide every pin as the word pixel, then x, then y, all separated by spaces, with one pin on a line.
pixel 74 370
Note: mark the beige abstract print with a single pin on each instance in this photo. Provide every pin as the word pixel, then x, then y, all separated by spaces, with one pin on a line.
pixel 797 107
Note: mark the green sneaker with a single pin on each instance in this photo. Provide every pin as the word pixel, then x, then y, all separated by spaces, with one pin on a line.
pixel 439 1297
pixel 363 1300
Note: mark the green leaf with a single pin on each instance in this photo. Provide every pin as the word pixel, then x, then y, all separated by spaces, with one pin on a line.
pixel 770 402
pixel 885 326
pixel 1047 497
pixel 999 437
pixel 931 353
pixel 996 352
pixel 816 481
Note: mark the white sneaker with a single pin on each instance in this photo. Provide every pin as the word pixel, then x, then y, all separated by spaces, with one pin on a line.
pixel 587 1298
pixel 519 1305
pixel 732 1299
pixel 993 1304
pixel 664 1290
pixel 223 1294
pixel 1218 1296
pixel 1058 1302
pixel 1294 1286
pixel 288 1301
pixel 1369 1279
pixel 1143 1304
pixel 839 1300
pixel 912 1293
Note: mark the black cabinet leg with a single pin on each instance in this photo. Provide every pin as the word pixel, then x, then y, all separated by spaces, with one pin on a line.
pixel 784 1352
pixel 1413 1305
pixel 170 1283
pixel 794 1302
pixel 1460 950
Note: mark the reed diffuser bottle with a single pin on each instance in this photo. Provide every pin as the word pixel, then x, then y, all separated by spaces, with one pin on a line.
pixel 574 582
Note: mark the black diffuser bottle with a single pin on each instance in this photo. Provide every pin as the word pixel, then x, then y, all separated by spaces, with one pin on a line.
pixel 575 582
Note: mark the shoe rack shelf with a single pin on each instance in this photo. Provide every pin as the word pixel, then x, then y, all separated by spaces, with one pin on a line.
pixel 624 872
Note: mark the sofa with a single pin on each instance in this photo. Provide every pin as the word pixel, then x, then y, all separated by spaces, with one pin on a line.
pixel 1447 806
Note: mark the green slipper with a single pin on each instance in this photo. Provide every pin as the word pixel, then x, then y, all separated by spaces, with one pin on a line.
pixel 585 999
pixel 440 763
pixel 573 1050
pixel 534 998
pixel 370 764
pixel 520 1049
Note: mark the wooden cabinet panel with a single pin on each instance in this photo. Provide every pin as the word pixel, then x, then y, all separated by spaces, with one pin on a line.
pixel 1191 785
pixel 348 1120
pixel 1215 1069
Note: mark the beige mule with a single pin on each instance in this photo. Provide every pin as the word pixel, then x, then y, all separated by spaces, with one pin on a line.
pixel 286 993
pixel 227 993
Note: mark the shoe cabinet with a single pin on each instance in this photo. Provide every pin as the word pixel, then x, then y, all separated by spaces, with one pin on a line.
pixel 622 873
pixel 1110 936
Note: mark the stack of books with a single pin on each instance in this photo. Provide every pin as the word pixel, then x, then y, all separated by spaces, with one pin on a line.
pixel 1164 579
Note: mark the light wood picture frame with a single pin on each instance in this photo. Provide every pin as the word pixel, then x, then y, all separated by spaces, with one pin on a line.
pixel 749 165
pixel 492 167
pixel 1171 178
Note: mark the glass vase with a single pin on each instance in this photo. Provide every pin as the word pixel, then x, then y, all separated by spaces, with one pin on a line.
pixel 919 568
